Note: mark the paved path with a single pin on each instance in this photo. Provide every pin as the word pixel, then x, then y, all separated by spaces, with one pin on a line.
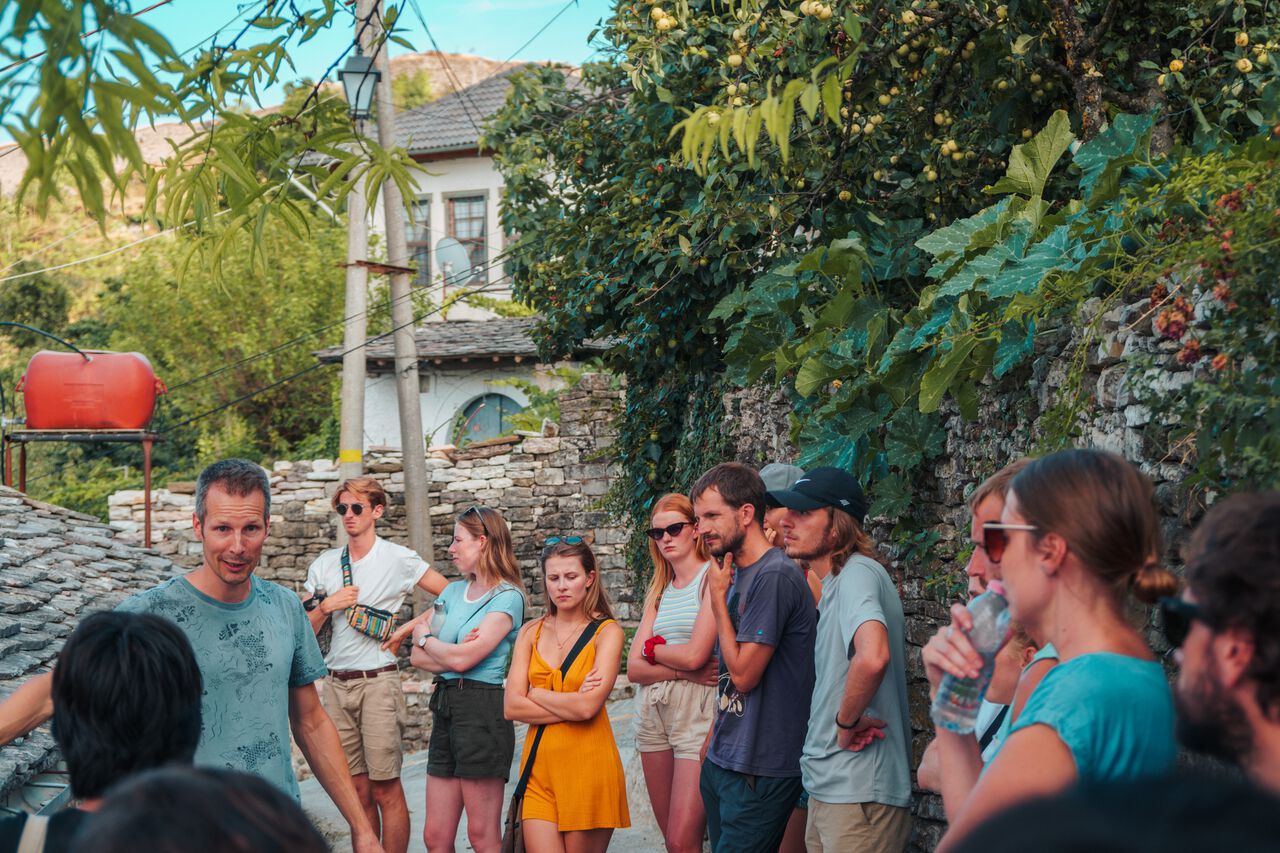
pixel 642 836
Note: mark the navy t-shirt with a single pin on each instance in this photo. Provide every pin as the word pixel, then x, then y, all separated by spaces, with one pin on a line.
pixel 761 732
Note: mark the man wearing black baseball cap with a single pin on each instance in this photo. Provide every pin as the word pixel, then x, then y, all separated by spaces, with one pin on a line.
pixel 856 763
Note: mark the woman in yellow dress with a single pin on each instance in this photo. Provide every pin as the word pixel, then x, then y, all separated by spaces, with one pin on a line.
pixel 576 794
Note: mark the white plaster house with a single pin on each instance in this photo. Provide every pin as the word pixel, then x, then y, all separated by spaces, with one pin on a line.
pixel 461 364
pixel 464 355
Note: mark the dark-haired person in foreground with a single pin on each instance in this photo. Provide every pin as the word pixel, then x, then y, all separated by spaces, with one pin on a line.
pixel 199 810
pixel 765 621
pixel 257 652
pixel 127 692
pixel 1226 628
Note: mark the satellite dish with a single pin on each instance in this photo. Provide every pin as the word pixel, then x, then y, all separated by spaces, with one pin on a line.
pixel 454 261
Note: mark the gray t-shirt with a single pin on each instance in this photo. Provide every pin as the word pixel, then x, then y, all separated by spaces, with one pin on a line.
pixel 251 654
pixel 881 773
pixel 761 732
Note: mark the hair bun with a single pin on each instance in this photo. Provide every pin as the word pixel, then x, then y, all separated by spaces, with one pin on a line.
pixel 1152 582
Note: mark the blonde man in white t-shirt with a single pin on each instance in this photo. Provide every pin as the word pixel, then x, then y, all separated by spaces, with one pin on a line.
pixel 362 691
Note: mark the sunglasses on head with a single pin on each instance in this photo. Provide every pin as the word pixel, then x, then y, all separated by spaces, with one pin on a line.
pixel 995 538
pixel 356 509
pixel 556 540
pixel 672 530
pixel 480 515
pixel 1176 616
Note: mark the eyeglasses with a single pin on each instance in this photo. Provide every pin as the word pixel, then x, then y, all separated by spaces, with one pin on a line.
pixel 672 530
pixel 995 539
pixel 1176 616
pixel 556 540
pixel 356 509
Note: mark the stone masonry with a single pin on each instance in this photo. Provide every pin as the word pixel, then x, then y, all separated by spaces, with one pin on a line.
pixel 543 485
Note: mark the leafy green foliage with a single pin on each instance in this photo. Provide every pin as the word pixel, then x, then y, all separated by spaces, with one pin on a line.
pixel 42 301
pixel 231 174
pixel 412 90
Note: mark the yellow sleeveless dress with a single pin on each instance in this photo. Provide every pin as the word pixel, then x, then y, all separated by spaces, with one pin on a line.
pixel 577 781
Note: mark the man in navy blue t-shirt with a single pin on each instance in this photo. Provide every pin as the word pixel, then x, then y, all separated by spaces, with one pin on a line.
pixel 765 623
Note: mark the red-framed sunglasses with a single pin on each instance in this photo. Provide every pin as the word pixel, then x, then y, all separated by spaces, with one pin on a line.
pixel 995 537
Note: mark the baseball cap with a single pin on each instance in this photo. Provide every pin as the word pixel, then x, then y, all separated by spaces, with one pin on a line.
pixel 778 476
pixel 823 487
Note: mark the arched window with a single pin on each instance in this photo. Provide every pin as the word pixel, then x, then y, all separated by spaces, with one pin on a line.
pixel 487 416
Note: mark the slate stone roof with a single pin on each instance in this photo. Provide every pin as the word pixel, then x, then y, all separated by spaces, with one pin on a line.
pixel 55 565
pixel 454 121
pixel 459 340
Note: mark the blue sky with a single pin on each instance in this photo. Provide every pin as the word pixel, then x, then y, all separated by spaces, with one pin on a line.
pixel 489 28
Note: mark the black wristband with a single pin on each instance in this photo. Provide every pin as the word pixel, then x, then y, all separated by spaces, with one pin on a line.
pixel 852 725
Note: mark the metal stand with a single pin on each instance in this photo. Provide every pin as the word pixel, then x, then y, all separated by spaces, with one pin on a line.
pixel 82 436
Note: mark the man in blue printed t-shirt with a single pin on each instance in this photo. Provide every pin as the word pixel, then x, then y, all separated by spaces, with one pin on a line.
pixel 765 622
pixel 257 653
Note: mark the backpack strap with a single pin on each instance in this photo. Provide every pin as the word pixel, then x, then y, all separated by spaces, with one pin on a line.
pixel 588 633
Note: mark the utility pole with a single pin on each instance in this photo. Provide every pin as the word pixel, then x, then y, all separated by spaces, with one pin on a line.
pixel 408 390
pixel 354 330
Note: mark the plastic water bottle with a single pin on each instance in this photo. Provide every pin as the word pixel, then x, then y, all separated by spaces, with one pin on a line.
pixel 955 708
pixel 437 618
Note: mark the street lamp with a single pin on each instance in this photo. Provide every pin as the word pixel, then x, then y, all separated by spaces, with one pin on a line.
pixel 359 81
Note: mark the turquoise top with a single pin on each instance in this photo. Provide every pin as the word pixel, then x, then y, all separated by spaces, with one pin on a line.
pixel 462 616
pixel 1113 712
pixel 1047 653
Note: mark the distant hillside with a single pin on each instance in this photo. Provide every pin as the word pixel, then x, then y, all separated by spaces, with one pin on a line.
pixel 154 141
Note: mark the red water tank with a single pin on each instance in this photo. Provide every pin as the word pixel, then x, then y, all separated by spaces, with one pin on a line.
pixel 109 390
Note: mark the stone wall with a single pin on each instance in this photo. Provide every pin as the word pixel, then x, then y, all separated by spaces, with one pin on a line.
pixel 543 485
pixel 1009 426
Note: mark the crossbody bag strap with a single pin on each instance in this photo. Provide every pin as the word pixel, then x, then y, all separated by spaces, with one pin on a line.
pixel 585 637
pixel 346 567
pixel 994 727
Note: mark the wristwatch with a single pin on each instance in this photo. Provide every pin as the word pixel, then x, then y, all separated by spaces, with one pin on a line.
pixel 311 603
pixel 422 641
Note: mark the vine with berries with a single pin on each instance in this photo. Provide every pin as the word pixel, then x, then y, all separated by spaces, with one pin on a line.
pixel 801 192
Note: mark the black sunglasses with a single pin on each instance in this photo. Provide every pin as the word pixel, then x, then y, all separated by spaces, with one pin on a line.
pixel 1176 616
pixel 672 530
pixel 995 538
pixel 480 515
pixel 356 509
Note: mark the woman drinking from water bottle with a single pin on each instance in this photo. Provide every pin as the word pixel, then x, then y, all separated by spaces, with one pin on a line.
pixel 1078 535
pixel 562 671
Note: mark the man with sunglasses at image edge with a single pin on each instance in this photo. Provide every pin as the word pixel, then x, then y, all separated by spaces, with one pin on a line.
pixel 362 692
pixel 856 763
pixel 765 626
pixel 1226 629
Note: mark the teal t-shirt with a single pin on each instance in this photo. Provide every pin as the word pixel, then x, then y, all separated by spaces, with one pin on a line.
pixel 251 654
pixel 1113 712
pixel 462 616
pixel 1047 653
pixel 881 773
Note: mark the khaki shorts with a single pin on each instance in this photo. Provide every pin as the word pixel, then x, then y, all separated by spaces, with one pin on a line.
pixel 675 715
pixel 865 827
pixel 370 714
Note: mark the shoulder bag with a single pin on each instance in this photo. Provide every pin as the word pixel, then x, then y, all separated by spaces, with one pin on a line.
pixel 370 621
pixel 513 832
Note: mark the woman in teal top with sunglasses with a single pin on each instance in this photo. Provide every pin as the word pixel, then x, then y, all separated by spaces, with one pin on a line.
pixel 1079 533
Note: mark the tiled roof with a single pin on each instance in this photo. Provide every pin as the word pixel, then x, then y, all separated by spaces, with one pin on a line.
pixel 454 121
pixel 458 340
pixel 55 565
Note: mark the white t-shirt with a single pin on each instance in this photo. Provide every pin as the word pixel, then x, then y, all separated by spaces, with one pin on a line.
pixel 385 576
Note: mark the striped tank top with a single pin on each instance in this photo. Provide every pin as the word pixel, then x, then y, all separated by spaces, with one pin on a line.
pixel 678 608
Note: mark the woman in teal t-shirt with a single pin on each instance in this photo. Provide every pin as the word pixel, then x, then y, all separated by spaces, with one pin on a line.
pixel 472 742
pixel 1078 534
